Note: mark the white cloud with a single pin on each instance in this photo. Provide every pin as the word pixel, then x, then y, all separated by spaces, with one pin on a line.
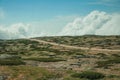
pixel 96 22
pixel 14 31
pixel 112 27
pixel 20 30
pixel 99 23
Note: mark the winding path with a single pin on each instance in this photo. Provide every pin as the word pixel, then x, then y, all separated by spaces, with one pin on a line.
pixel 74 47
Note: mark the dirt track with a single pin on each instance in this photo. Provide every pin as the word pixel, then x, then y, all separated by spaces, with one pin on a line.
pixel 74 47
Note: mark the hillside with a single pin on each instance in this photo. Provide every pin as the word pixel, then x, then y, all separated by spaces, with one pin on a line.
pixel 60 58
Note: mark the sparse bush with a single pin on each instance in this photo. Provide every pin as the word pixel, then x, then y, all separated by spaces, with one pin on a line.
pixel 108 62
pixel 102 54
pixel 89 75
pixel 113 76
pixel 103 64
pixel 11 62
pixel 45 59
pixel 114 60
pixel 27 72
pixel 26 42
pixel 116 55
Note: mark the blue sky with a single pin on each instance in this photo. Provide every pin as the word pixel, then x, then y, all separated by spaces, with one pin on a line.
pixel 36 10
pixel 43 17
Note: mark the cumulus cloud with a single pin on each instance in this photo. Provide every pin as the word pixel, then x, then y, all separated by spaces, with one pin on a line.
pixel 14 31
pixel 97 22
pixel 20 30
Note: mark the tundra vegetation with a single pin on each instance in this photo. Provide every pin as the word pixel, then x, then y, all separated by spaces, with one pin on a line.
pixel 34 59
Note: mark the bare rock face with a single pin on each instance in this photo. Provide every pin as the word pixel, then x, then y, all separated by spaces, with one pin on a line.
pixel 7 56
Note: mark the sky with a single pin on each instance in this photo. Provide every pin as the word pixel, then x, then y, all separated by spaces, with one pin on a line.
pixel 34 18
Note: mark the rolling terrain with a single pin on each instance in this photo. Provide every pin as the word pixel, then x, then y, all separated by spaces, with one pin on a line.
pixel 61 58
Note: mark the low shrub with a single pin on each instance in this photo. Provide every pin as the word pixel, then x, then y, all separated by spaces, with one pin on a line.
pixel 11 62
pixel 116 55
pixel 89 75
pixel 103 64
pixel 27 72
pixel 108 62
pixel 45 59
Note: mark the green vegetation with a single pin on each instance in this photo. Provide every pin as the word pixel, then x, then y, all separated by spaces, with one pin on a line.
pixel 45 59
pixel 7 59
pixel 86 40
pixel 108 62
pixel 27 73
pixel 26 42
pixel 116 55
pixel 11 62
pixel 20 59
pixel 89 75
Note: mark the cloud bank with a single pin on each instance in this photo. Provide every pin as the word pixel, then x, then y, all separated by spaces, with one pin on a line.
pixel 96 23
pixel 18 30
